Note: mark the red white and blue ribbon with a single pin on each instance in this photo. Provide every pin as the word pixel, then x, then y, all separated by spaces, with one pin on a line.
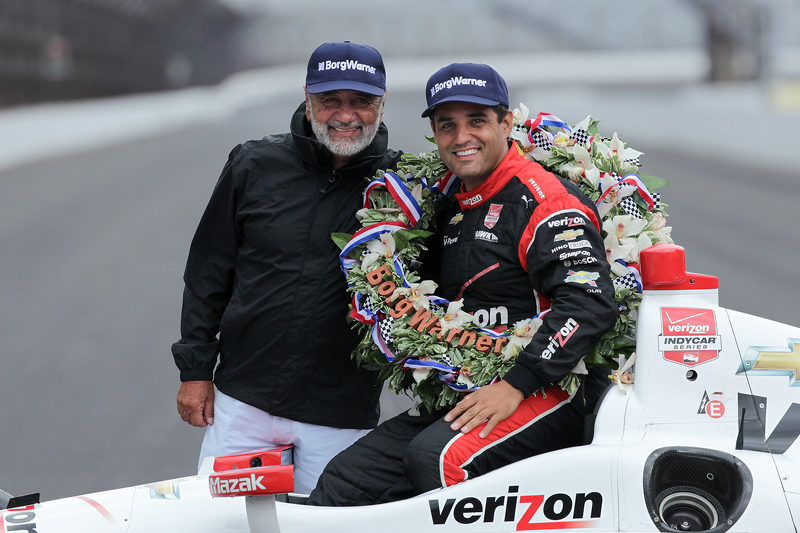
pixel 401 194
pixel 441 367
pixel 381 344
pixel 365 235
pixel 445 185
pixel 546 119
pixel 634 180
pixel 361 313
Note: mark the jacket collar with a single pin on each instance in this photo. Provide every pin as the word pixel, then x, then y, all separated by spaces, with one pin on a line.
pixel 509 167
pixel 317 156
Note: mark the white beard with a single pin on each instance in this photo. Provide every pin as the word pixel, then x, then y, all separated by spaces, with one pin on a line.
pixel 349 146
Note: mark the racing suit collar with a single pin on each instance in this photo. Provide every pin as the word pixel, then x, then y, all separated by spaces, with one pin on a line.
pixel 507 169
pixel 317 156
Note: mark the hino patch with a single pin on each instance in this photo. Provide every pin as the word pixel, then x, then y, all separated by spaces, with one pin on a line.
pixel 689 336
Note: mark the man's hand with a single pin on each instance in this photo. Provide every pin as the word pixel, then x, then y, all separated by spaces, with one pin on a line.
pixel 196 402
pixel 494 403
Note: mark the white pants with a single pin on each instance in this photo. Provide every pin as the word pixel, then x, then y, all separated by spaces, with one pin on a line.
pixel 239 427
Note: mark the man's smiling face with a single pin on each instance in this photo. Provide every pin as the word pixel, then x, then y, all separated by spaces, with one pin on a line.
pixel 471 141
pixel 344 121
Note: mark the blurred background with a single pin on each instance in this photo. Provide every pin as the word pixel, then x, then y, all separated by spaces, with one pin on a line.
pixel 116 117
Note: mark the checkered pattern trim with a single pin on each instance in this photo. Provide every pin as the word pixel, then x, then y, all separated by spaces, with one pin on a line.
pixel 540 140
pixel 629 206
pixel 628 281
pixel 656 200
pixel 369 304
pixel 634 161
pixel 580 136
pixel 385 327
pixel 446 360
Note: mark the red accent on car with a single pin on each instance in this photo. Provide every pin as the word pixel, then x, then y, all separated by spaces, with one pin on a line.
pixel 268 457
pixel 663 268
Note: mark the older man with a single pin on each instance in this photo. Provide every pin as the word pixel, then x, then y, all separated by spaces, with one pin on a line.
pixel 263 274
pixel 518 240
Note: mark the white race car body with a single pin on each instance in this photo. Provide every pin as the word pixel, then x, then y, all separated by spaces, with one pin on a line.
pixel 705 440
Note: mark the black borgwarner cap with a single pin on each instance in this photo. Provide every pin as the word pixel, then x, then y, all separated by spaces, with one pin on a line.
pixel 466 82
pixel 346 66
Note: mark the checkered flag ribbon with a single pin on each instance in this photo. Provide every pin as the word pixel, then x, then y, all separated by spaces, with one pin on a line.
pixel 540 140
pixel 634 161
pixel 369 304
pixel 630 207
pixel 446 360
pixel 656 200
pixel 580 136
pixel 385 327
pixel 628 281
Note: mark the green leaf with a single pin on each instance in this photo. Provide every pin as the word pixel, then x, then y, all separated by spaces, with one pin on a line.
pixel 651 182
pixel 341 239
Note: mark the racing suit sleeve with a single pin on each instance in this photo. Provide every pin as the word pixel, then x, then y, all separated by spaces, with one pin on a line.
pixel 564 254
pixel 209 278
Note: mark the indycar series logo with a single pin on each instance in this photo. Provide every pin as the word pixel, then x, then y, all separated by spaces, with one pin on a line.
pixel 555 511
pixel 493 215
pixel 689 336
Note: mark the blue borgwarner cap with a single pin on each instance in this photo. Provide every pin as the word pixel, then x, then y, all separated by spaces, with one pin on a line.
pixel 466 82
pixel 346 66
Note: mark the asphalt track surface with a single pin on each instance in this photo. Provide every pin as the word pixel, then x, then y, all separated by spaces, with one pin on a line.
pixel 93 249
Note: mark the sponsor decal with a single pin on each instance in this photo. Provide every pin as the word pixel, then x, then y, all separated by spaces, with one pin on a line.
pixel 557 248
pixel 456 80
pixel 494 316
pixel 472 200
pixel 525 199
pixel 457 218
pixel 566 221
pixel 773 361
pixel 752 411
pixel 713 408
pixel 348 64
pixel 567 255
pixel 560 338
pixel 689 335
pixel 19 519
pixel 585 261
pixel 536 188
pixel 569 235
pixel 450 240
pixel 487 236
pixel 493 215
pixel 579 244
pixel 582 276
pixel 232 486
pixel 527 512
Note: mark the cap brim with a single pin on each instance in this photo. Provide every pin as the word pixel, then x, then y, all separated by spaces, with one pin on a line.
pixel 462 98
pixel 345 85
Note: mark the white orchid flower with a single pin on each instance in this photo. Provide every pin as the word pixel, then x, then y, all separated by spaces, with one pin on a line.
pixel 562 140
pixel 523 333
pixel 416 293
pixel 454 317
pixel 614 197
pixel 583 124
pixel 422 373
pixel 583 165
pixel 521 114
pixel 580 368
pixel 624 226
pixel 383 246
pixel 519 132
pixel 416 192
pixel 464 380
pixel 658 222
pixel 616 148
pixel 624 249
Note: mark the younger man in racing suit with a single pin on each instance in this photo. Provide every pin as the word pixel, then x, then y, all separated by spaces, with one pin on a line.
pixel 519 241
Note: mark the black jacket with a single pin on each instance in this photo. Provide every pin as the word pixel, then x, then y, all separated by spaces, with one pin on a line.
pixel 264 273
pixel 525 241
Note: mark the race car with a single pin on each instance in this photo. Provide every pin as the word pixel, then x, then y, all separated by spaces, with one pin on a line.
pixel 704 439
